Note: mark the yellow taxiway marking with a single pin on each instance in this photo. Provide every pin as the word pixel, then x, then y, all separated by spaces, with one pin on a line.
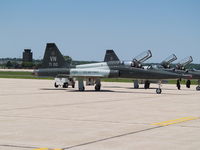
pixel 169 122
pixel 47 149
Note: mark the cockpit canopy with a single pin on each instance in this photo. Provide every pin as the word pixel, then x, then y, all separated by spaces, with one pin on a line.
pixel 138 60
pixel 181 65
pixel 166 62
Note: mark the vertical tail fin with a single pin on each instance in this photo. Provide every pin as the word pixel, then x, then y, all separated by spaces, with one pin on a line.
pixel 110 56
pixel 52 57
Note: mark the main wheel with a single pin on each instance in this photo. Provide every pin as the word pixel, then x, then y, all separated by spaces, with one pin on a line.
pixel 55 85
pixel 136 87
pixel 146 84
pixel 158 91
pixel 97 87
pixel 82 89
pixel 178 84
pixel 136 84
pixel 188 83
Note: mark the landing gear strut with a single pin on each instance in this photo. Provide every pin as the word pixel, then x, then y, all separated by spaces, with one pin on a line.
pixel 135 84
pixel 81 85
pixel 188 83
pixel 146 84
pixel 98 85
pixel 159 90
pixel 178 84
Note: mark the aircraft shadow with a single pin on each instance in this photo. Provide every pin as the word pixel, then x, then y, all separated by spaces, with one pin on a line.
pixel 91 91
pixel 113 87
pixel 136 91
pixel 53 89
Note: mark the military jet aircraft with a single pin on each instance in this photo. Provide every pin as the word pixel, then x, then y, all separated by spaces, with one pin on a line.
pixel 164 65
pixel 54 65
pixel 181 68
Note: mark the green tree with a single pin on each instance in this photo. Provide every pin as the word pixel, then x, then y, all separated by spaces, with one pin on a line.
pixel 68 59
pixel 27 65
pixel 9 64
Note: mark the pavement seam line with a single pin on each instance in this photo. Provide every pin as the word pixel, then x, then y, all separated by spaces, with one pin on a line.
pixel 109 138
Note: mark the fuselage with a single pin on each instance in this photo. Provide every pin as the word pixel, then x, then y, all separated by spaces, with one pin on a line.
pixel 113 69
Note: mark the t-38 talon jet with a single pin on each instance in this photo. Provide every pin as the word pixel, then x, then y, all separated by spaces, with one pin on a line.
pixel 164 65
pixel 54 65
pixel 181 68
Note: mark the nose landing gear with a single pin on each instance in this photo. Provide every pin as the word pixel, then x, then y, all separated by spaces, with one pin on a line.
pixel 159 90
pixel 198 87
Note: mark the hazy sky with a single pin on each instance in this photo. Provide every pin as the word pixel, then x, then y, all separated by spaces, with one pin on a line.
pixel 84 29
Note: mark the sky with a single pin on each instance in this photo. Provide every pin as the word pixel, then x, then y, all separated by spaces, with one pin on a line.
pixel 84 29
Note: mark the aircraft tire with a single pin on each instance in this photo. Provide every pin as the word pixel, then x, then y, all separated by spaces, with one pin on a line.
pixel 178 84
pixel 97 87
pixel 82 89
pixel 73 85
pixel 188 83
pixel 158 91
pixel 146 84
pixel 198 88
pixel 136 84
pixel 55 85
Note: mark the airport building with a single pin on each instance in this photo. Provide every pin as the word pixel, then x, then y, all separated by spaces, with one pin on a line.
pixel 27 55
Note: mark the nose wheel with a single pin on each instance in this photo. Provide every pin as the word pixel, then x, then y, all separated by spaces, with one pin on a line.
pixel 158 91
pixel 198 87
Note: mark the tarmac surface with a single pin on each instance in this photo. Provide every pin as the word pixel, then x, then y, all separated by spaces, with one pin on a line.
pixel 36 116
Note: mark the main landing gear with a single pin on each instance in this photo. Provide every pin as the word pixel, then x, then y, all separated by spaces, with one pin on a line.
pixel 198 87
pixel 81 86
pixel 159 90
pixel 98 85
pixel 146 84
pixel 188 83
pixel 135 84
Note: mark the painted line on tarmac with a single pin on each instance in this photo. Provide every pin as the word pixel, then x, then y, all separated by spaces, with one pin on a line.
pixel 175 121
pixel 109 138
pixel 47 149
pixel 16 146
pixel 159 125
